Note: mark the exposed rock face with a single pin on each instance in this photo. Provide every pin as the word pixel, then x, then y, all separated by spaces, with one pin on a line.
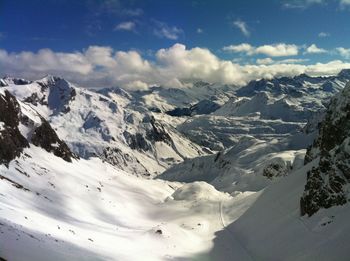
pixel 11 140
pixel 8 80
pixel 45 137
pixel 116 157
pixel 157 132
pixel 137 141
pixel 273 170
pixel 327 183
pixel 35 100
pixel 203 107
pixel 55 92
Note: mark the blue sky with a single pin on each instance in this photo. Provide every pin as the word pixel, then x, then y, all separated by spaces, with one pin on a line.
pixel 244 32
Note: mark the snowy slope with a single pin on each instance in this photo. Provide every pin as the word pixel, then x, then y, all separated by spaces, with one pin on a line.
pixel 275 226
pixel 165 99
pixel 52 209
pixel 54 206
pixel 251 165
pixel 107 125
pixel 273 229
pixel 241 203
pixel 265 109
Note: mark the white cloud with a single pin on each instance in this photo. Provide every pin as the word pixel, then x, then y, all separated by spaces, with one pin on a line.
pixel 280 49
pixel 323 34
pixel 100 56
pixel 274 50
pixel 343 52
pixel 312 49
pixel 292 61
pixel 125 26
pixel 242 26
pixel 45 60
pixel 240 48
pixel 199 30
pixel 265 61
pixel 100 66
pixel 162 30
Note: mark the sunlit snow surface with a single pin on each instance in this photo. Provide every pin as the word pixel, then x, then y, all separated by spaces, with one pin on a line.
pixel 88 210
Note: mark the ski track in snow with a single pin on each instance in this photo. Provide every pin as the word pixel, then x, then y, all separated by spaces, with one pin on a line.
pixel 232 238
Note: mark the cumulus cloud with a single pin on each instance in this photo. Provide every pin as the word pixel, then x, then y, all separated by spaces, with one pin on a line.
pixel 280 49
pixel 343 52
pixel 265 61
pixel 162 30
pixel 242 26
pixel 125 26
pixel 275 50
pixel 240 48
pixel 312 49
pixel 101 66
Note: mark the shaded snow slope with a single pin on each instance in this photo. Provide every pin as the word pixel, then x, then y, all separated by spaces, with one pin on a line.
pixel 251 165
pixel 272 228
pixel 52 209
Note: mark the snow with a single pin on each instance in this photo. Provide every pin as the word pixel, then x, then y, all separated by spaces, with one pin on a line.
pixel 239 168
pixel 91 122
pixel 242 167
pixel 70 203
pixel 272 229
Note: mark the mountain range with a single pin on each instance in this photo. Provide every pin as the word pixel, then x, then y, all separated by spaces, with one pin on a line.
pixel 206 172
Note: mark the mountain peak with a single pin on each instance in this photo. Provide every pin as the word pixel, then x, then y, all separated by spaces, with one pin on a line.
pixel 344 73
pixel 51 79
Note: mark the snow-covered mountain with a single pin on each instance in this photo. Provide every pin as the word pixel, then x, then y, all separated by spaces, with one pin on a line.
pixel 56 206
pixel 209 172
pixel 305 215
pixel 264 134
pixel 265 109
pixel 106 124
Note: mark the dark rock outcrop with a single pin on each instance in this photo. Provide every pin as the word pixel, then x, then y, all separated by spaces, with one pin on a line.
pixel 45 137
pixel 326 183
pixel 274 170
pixel 157 132
pixel 179 112
pixel 137 141
pixel 12 142
pixel 116 157
pixel 55 92
pixel 200 108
